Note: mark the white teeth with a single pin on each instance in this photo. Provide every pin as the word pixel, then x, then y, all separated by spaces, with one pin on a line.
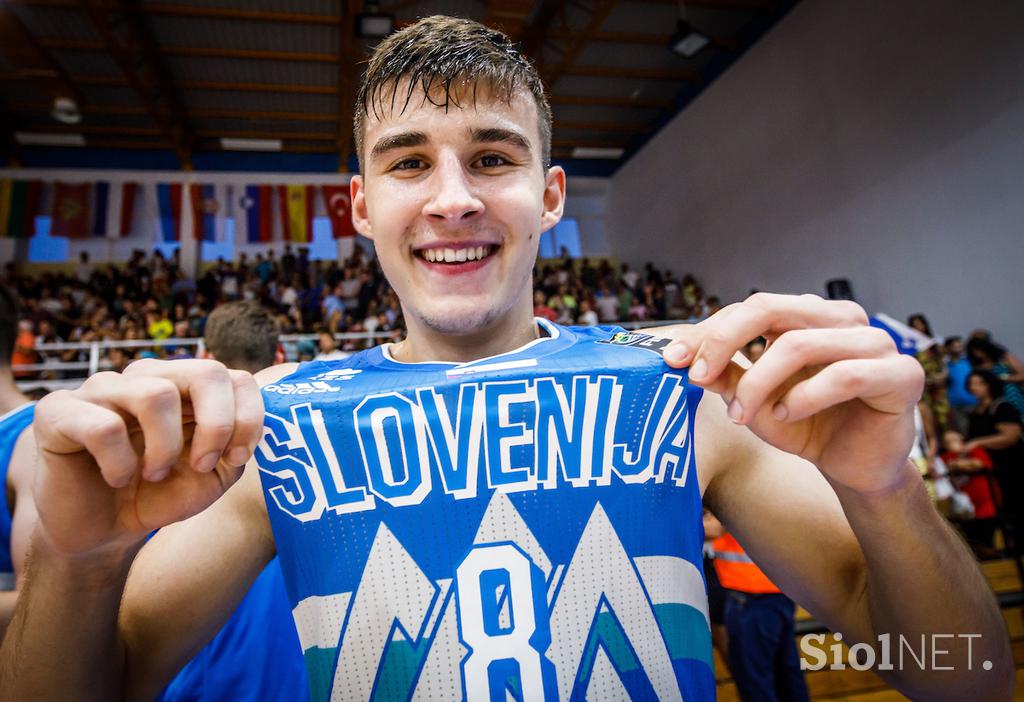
pixel 456 255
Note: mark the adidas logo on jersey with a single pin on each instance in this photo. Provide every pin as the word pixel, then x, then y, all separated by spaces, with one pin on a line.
pixel 318 384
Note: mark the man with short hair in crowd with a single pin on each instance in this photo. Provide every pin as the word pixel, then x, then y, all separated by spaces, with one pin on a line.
pixel 256 655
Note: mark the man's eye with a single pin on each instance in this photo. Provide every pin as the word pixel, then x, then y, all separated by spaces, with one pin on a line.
pixel 408 164
pixel 492 161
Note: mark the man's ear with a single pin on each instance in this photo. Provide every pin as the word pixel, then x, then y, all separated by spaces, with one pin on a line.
pixel 360 215
pixel 554 197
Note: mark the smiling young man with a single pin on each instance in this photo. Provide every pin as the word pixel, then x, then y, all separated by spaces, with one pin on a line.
pixel 496 507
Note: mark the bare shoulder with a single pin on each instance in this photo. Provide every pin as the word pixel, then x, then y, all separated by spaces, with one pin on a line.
pixel 272 374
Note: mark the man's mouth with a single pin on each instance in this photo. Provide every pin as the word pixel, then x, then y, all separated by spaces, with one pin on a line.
pixel 456 256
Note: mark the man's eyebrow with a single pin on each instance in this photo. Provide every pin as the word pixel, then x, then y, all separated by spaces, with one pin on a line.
pixel 498 134
pixel 398 141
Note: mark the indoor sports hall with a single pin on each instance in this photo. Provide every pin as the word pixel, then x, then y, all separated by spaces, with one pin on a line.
pixel 251 183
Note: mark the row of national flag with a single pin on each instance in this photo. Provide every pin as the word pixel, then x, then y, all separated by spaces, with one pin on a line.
pixel 261 213
pixel 77 210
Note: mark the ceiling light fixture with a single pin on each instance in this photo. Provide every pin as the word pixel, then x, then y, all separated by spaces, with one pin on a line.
pixel 687 41
pixel 48 139
pixel 374 24
pixel 65 110
pixel 229 144
pixel 597 152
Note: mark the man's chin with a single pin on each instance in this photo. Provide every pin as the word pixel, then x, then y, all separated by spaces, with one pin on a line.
pixel 461 318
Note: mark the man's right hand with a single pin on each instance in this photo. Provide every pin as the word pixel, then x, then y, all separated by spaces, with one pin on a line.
pixel 126 454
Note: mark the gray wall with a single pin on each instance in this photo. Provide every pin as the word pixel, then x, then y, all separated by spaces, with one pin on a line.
pixel 880 141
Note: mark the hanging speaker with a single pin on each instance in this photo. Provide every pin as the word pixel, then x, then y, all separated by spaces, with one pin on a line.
pixel 839 289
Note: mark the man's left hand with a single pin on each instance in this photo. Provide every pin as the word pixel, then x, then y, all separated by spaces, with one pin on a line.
pixel 829 387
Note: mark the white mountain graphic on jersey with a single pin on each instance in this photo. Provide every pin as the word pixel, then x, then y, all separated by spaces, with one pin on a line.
pixel 396 603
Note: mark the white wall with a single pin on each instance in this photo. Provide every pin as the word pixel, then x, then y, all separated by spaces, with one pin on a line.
pixel 880 141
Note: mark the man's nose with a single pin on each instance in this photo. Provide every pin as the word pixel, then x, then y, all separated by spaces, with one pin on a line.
pixel 454 199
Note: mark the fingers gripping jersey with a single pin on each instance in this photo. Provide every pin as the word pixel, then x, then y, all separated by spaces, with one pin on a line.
pixel 523 527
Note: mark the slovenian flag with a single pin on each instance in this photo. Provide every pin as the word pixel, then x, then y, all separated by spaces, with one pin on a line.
pixel 168 200
pixel 254 221
pixel 113 209
pixel 296 212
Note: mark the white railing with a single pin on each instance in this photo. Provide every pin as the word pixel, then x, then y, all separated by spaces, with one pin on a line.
pixel 97 363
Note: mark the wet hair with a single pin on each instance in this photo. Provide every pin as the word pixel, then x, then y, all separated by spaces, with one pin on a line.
pixel 8 324
pixel 995 384
pixel 242 335
pixel 441 56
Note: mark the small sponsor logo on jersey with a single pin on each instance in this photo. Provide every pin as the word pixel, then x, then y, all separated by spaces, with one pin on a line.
pixel 318 384
pixel 644 341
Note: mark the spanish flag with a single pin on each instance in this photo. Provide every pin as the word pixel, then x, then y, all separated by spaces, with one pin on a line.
pixel 296 212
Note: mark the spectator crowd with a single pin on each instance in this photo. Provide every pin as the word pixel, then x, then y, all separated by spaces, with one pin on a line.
pixel 149 298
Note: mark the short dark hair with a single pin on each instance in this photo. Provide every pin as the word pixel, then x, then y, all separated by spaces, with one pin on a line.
pixel 440 52
pixel 8 324
pixel 242 335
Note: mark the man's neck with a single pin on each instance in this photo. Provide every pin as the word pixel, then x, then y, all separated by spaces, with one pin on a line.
pixel 10 396
pixel 424 344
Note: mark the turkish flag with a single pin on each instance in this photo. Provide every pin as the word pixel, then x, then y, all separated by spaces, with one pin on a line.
pixel 339 209
pixel 70 210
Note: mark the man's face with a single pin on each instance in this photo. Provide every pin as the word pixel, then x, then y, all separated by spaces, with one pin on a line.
pixel 455 202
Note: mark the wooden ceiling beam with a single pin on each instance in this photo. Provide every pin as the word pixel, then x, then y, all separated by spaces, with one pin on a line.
pixel 258 87
pixel 95 129
pixel 602 101
pixel 718 4
pixel 283 116
pixel 576 42
pixel 131 43
pixel 267 134
pixel 646 39
pixel 10 150
pixel 269 115
pixel 31 59
pixel 627 127
pixel 640 73
pixel 348 55
pixel 592 143
pixel 199 51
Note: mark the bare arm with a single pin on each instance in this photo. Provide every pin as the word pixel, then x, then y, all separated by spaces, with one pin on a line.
pixel 814 481
pixel 854 561
pixel 1009 433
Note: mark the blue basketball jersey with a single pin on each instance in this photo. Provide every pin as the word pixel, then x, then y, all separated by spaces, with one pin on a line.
pixel 11 426
pixel 254 657
pixel 522 527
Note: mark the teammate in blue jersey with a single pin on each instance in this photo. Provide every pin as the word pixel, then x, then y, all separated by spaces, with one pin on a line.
pixel 256 654
pixel 16 508
pixel 493 508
